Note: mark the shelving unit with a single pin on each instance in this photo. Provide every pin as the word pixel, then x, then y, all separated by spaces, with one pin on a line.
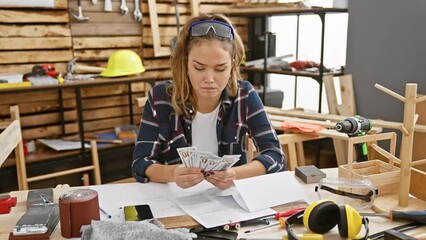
pixel 70 100
pixel 258 24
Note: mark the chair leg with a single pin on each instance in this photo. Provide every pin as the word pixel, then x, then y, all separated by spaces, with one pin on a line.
pixel 95 161
pixel 292 158
pixel 85 179
pixel 21 170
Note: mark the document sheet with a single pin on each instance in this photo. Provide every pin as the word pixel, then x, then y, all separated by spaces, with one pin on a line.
pixel 211 207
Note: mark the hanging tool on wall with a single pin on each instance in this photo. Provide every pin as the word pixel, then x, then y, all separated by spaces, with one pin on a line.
pixel 356 126
pixel 177 15
pixel 108 6
pixel 80 16
pixel 137 12
pixel 123 7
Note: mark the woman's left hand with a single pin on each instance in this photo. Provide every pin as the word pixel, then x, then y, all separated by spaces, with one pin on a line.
pixel 221 179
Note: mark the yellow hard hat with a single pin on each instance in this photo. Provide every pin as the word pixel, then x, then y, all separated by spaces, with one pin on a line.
pixel 123 63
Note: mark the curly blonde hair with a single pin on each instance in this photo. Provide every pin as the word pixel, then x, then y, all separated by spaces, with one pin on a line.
pixel 181 89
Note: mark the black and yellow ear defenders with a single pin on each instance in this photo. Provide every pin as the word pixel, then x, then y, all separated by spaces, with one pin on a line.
pixel 320 217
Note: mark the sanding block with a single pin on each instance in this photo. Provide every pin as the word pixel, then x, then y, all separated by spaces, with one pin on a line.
pixel 309 174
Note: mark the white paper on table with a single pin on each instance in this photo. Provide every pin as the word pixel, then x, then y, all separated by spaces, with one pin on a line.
pixel 160 197
pixel 269 190
pixel 61 145
pixel 213 210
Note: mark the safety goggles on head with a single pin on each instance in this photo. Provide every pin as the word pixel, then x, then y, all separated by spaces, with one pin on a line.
pixel 202 28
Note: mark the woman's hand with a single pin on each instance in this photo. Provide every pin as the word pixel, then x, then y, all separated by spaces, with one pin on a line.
pixel 221 179
pixel 187 177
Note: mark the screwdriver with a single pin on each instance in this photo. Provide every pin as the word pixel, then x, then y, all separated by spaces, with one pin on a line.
pixel 414 216
pixel 286 213
pixel 280 216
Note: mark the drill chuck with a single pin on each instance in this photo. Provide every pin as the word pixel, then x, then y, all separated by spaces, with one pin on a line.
pixel 354 125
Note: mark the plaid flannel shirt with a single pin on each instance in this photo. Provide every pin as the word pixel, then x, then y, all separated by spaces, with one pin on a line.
pixel 162 132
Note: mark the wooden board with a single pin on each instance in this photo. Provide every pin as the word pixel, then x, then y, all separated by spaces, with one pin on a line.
pixel 107 42
pixel 36 30
pixel 31 16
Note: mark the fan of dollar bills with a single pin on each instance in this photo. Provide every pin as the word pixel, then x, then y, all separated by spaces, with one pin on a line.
pixel 206 160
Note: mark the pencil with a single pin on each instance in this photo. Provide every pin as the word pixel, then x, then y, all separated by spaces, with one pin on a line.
pixel 105 212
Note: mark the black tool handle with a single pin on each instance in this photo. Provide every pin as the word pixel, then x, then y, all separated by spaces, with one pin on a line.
pixel 414 216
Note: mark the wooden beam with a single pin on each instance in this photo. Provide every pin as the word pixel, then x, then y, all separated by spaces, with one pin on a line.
pixel 33 16
pixel 19 43
pixel 159 50
pixel 336 118
pixel 107 42
pixel 99 29
pixel 35 56
pixel 38 30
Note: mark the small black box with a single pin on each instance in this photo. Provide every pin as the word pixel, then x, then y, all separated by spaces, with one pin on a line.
pixel 309 174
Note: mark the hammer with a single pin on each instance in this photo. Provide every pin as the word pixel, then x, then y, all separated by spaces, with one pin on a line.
pixel 72 67
pixel 80 16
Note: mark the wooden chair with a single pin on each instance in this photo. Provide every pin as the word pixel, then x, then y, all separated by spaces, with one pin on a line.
pixel 11 139
pixel 21 169
pixel 292 144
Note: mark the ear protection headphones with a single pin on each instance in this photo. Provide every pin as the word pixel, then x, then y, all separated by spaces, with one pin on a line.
pixel 320 217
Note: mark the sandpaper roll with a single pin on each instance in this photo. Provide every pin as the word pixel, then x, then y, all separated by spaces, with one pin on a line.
pixel 77 208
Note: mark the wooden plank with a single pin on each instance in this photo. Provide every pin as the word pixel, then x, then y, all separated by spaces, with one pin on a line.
pixel 103 54
pixel 100 29
pixel 166 8
pixel 107 42
pixel 37 30
pixel 26 68
pixel 105 123
pixel 211 8
pixel 331 117
pixel 104 91
pixel 167 20
pixel 102 113
pixel 18 43
pixel 59 4
pixel 347 92
pixel 47 118
pixel 16 98
pixel 100 102
pixel 49 131
pixel 148 42
pixel 9 138
pixel 157 63
pixel 33 16
pixel 35 56
pixel 38 107
pixel 153 16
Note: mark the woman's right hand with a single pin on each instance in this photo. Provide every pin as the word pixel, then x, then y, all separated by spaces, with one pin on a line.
pixel 186 177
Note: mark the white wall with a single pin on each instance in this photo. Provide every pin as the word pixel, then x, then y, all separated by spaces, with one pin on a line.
pixel 285 27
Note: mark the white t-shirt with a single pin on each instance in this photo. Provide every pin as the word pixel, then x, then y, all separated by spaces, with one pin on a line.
pixel 204 131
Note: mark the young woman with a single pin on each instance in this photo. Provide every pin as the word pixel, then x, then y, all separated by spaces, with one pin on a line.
pixel 206 106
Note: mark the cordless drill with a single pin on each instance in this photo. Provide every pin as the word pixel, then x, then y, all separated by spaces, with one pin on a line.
pixel 356 126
